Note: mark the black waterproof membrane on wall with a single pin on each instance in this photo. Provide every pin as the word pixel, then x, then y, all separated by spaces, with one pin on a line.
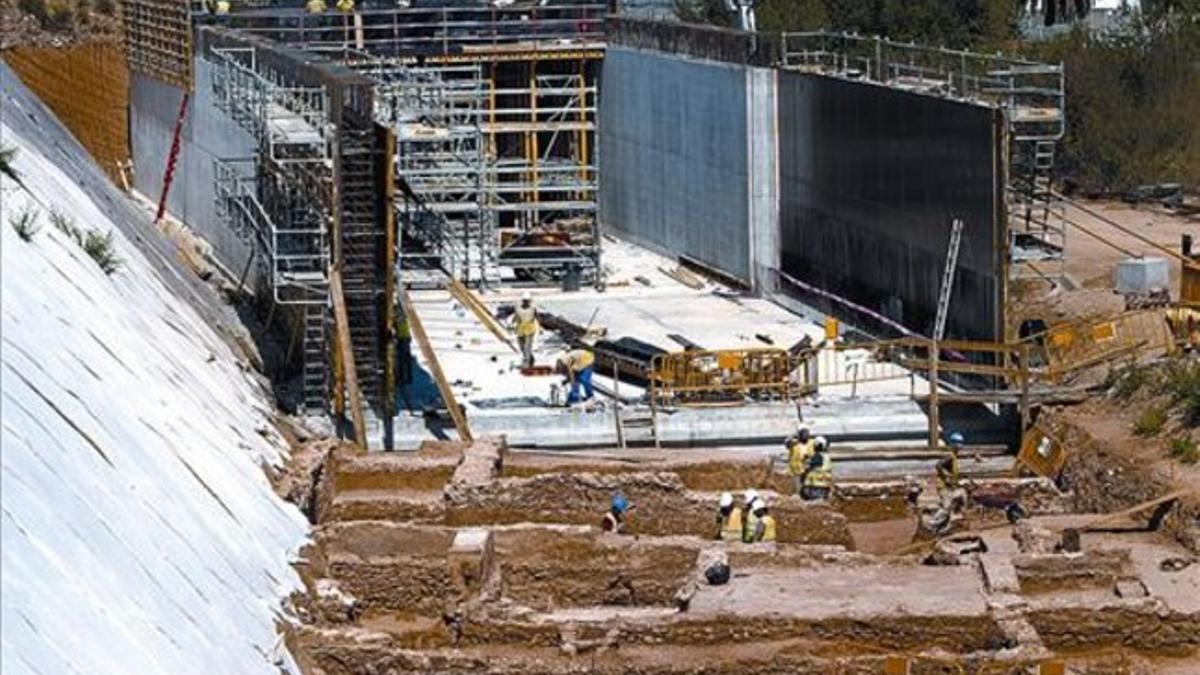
pixel 871 178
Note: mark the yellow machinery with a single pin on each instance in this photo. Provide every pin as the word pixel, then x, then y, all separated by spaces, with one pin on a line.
pixel 697 377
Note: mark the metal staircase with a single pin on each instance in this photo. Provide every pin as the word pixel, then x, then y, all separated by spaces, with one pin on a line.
pixel 362 259
pixel 314 375
pixel 279 201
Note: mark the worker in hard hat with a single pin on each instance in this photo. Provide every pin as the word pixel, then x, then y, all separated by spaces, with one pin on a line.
pixel 315 6
pixel 764 523
pixel 729 519
pixel 576 366
pixel 525 325
pixel 799 450
pixel 818 475
pixel 946 471
pixel 748 519
pixel 345 6
pixel 614 520
pixel 221 7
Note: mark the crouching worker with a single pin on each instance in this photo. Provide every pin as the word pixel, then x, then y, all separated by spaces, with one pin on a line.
pixel 764 523
pixel 576 366
pixel 818 476
pixel 729 519
pixel 614 520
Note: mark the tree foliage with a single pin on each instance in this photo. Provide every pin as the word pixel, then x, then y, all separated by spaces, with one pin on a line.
pixel 1133 100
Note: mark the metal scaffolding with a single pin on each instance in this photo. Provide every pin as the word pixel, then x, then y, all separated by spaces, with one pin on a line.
pixel 280 198
pixel 1030 94
pixel 495 171
pixel 441 160
pixel 494 113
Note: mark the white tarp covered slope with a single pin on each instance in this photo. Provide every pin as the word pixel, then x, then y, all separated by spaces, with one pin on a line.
pixel 140 534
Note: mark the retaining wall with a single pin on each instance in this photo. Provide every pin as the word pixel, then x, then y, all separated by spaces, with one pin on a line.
pixel 675 155
pixel 208 134
pixel 871 178
pixel 709 153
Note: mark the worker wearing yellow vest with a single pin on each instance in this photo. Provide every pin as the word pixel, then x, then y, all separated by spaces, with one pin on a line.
pixel 403 337
pixel 576 366
pixel 729 519
pixel 525 324
pixel 315 6
pixel 799 450
pixel 764 523
pixel 947 469
pixel 818 475
pixel 345 6
pixel 749 520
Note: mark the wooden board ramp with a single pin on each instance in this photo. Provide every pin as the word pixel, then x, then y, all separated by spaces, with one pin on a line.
pixel 1116 518
pixel 341 323
pixel 435 368
pixel 480 310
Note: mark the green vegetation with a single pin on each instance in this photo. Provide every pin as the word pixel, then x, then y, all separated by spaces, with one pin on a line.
pixel 1182 383
pixel 1133 101
pixel 1127 382
pixel 7 155
pixel 99 247
pixel 1151 421
pixel 58 17
pixel 25 222
pixel 1184 449
pixel 67 226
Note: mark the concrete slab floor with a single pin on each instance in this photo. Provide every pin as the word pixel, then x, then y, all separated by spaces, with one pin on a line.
pixel 483 371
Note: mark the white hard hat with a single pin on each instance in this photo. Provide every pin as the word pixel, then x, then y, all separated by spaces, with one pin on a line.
pixel 802 428
pixel 726 500
pixel 758 504
pixel 820 442
pixel 526 296
pixel 751 495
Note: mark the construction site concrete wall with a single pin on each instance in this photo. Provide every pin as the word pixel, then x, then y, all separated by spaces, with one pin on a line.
pixel 871 178
pixel 676 139
pixel 208 134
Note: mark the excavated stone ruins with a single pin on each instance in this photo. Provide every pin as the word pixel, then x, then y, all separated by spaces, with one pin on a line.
pixel 472 558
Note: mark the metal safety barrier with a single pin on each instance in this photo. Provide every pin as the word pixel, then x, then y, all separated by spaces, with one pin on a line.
pixel 701 377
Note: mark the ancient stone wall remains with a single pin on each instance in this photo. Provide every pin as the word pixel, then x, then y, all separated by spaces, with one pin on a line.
pixel 661 506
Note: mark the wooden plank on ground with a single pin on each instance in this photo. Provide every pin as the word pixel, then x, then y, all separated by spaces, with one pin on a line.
pixel 1110 519
pixel 435 368
pixel 341 323
pixel 468 299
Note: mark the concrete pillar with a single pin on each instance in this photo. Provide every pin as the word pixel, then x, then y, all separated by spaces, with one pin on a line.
pixel 762 138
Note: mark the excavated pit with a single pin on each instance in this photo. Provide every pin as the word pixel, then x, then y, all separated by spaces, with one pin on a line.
pixel 468 558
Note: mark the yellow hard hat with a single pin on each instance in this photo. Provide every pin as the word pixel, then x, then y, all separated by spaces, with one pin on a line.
pixel 345 5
